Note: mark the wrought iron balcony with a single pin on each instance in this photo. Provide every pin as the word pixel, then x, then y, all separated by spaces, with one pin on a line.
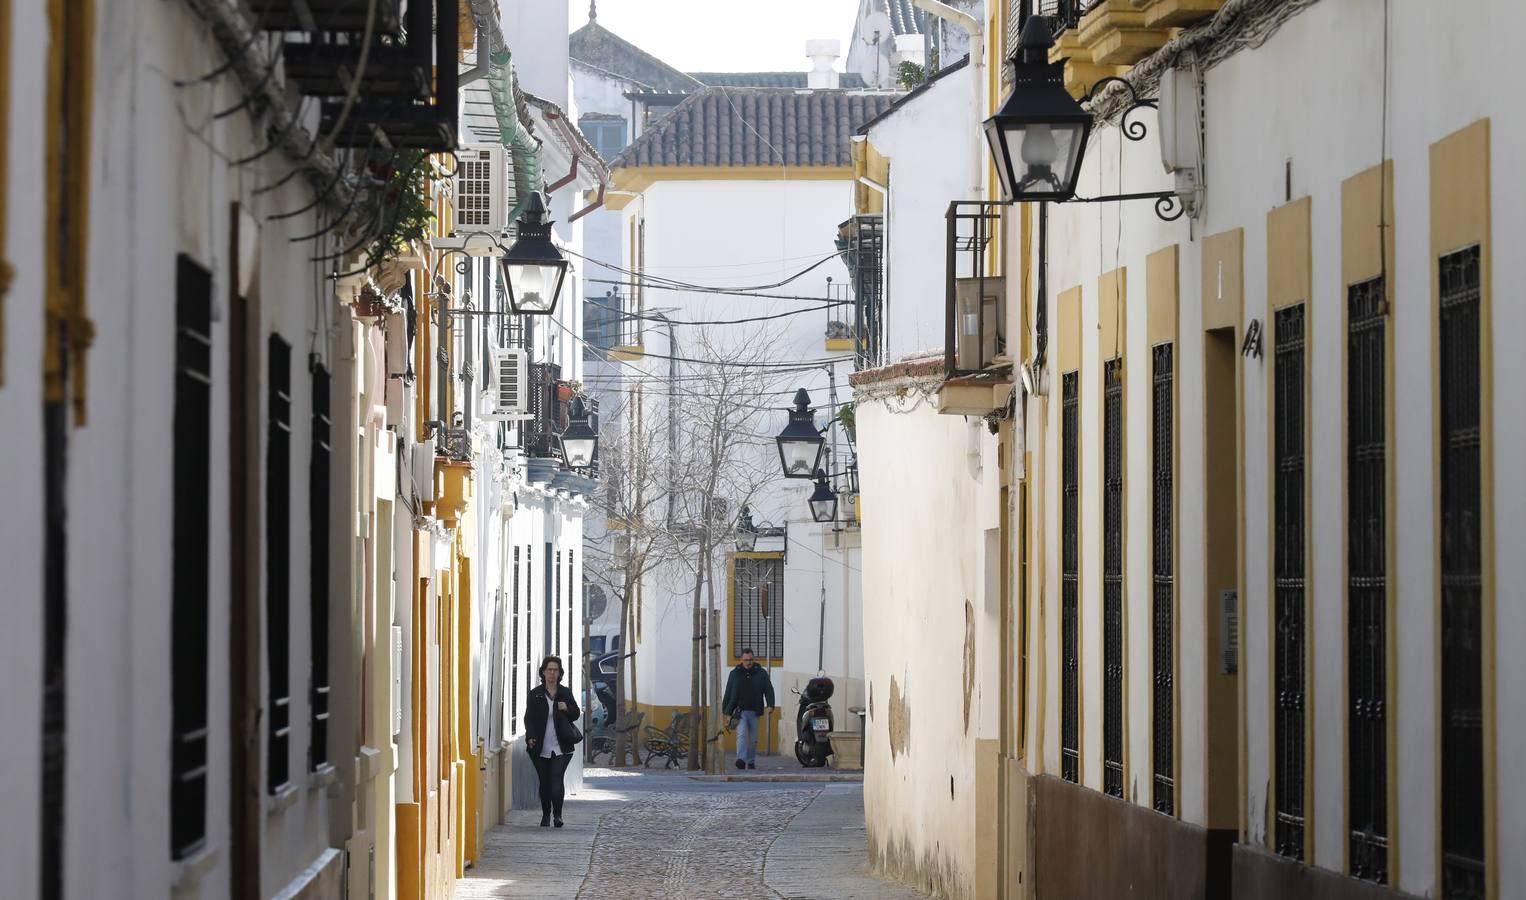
pixel 865 237
pixel 406 97
pixel 548 411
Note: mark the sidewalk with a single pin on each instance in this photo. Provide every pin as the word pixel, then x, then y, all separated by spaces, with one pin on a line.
pixel 665 836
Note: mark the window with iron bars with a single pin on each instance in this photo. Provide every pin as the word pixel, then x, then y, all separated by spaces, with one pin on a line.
pixel 1462 582
pixel 1367 579
pixel 278 568
pixel 1070 578
pixel 866 263
pixel 1112 577
pixel 1290 574
pixel 190 534
pixel 573 655
pixel 516 669
pixel 1163 575
pixel 548 601
pixel 318 568
pixel 757 616
pixel 556 601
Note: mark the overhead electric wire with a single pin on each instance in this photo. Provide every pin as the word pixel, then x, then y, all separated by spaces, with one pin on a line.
pixel 801 365
pixel 648 278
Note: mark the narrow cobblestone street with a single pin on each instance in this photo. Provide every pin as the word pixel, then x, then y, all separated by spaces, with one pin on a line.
pixel 665 836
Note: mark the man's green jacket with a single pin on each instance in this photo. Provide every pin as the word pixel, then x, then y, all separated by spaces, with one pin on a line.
pixel 747 690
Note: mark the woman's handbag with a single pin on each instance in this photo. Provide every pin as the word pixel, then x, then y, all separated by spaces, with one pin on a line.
pixel 575 735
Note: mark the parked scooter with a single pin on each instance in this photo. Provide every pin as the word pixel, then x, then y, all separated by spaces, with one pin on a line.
pixel 813 723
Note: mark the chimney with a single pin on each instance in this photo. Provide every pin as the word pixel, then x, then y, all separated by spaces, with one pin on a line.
pixel 823 54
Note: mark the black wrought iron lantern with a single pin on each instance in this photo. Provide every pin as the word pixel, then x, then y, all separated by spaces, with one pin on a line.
pixel 579 441
pixel 533 267
pixel 1038 137
pixel 747 532
pixel 823 500
pixel 800 443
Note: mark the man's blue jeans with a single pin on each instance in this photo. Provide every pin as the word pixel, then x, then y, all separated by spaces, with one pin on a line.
pixel 747 737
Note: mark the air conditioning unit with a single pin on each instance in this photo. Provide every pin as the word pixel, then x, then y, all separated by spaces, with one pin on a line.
pixel 421 466
pixel 510 398
pixel 482 194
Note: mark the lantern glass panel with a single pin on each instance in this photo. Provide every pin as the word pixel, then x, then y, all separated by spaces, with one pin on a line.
pixel 800 456
pixel 533 287
pixel 579 451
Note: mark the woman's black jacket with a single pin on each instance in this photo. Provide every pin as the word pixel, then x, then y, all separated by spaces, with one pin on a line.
pixel 535 718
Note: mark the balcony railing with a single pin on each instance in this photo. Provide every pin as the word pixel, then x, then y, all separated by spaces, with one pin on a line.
pixel 975 306
pixel 407 96
pixel 1062 14
pixel 548 411
pixel 866 263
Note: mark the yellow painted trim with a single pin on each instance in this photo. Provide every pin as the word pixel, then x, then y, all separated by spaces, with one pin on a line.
pixel 839 345
pixel 1068 358
pixel 1460 209
pixel 1289 283
pixel 1221 274
pixel 627 352
pixel 636 179
pixel 70 105
pixel 1361 261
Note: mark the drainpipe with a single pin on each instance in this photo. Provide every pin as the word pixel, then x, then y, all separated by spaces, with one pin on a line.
pixel 971 26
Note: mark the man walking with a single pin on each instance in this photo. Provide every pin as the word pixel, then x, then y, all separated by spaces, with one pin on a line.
pixel 749 694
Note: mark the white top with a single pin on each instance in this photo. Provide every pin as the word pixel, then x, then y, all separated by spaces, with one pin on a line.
pixel 548 744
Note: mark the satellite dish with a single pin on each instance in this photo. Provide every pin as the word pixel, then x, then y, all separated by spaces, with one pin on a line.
pixel 597 602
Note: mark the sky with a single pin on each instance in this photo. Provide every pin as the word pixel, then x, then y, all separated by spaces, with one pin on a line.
pixel 724 35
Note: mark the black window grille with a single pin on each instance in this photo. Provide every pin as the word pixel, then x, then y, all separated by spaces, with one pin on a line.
pixel 1462 706
pixel 865 258
pixel 1070 578
pixel 1163 558
pixel 552 627
pixel 530 661
pixel 557 595
pixel 1289 573
pixel 574 664
pixel 542 432
pixel 757 619
pixel 278 567
pixel 1112 577
pixel 516 672
pixel 318 543
pixel 1367 585
pixel 191 528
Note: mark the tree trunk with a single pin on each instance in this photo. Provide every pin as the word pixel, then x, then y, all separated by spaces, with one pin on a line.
pixel 695 731
pixel 718 737
pixel 623 711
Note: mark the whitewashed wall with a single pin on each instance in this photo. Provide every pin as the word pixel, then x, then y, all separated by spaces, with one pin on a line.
pixel 929 486
pixel 21 454
pixel 928 140
pixel 1323 119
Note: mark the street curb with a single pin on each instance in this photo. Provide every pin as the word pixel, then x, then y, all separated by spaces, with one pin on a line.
pixel 788 779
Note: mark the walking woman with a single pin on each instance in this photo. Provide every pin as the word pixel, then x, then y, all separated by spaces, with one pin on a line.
pixel 549 714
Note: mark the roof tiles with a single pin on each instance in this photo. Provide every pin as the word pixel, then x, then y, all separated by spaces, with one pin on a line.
pixel 757 127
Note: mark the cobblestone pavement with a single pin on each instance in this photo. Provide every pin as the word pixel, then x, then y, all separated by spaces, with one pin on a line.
pixel 666 837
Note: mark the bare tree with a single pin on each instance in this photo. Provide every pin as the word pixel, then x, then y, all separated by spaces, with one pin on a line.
pixel 637 539
pixel 722 463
